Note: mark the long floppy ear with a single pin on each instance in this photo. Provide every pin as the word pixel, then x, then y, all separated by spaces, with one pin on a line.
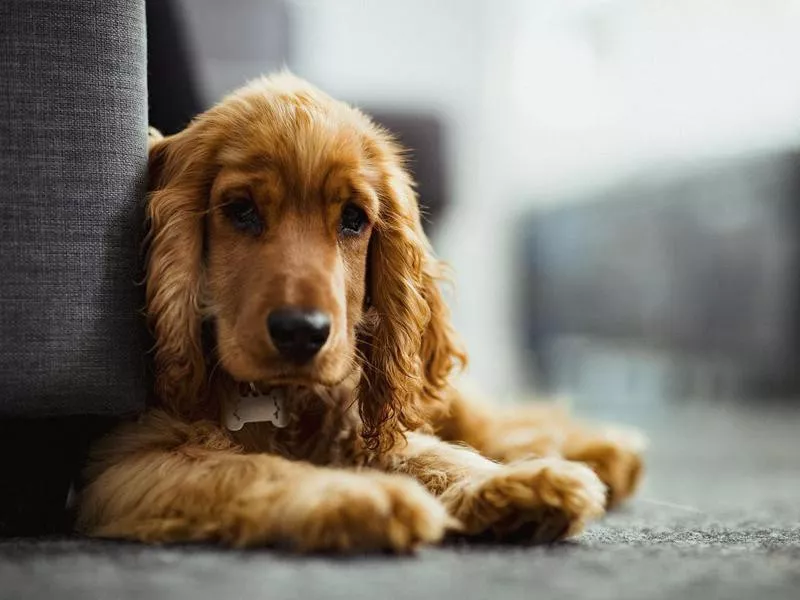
pixel 175 217
pixel 410 348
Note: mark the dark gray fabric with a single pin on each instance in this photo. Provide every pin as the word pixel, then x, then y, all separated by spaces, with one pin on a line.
pixel 699 262
pixel 718 518
pixel 72 164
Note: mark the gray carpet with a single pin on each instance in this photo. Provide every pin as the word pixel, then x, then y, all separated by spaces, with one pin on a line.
pixel 718 517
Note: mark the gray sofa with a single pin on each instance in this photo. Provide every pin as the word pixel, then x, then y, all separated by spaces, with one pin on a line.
pixel 73 117
pixel 693 276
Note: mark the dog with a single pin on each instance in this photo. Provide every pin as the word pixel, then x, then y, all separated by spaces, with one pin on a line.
pixel 304 359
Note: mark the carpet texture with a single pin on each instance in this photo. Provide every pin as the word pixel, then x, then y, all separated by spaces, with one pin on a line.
pixel 718 517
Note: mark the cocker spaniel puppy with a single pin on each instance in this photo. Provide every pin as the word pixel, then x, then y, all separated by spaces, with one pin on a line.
pixel 303 358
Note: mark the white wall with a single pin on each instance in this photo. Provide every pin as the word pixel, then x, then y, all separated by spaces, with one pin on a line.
pixel 605 88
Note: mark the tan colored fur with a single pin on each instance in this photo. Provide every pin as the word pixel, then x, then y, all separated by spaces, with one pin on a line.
pixel 381 451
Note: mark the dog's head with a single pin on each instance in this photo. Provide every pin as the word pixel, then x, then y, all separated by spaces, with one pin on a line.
pixel 286 220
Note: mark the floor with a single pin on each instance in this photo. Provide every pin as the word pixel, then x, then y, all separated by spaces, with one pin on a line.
pixel 718 517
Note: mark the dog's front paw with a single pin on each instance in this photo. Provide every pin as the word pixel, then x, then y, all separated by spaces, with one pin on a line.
pixel 360 512
pixel 615 454
pixel 537 501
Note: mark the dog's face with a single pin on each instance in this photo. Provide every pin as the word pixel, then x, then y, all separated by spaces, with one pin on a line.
pixel 287 235
pixel 286 220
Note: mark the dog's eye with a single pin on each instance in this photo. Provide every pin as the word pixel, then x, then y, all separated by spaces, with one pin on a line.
pixel 244 216
pixel 353 220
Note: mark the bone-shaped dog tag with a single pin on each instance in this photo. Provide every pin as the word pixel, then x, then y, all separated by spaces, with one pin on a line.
pixel 255 407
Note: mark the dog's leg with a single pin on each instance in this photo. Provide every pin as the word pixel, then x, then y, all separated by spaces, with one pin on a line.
pixel 164 481
pixel 539 500
pixel 508 434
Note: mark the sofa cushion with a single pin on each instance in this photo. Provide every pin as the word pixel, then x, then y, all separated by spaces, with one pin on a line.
pixel 72 167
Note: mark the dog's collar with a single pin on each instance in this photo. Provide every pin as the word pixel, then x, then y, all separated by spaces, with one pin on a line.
pixel 250 405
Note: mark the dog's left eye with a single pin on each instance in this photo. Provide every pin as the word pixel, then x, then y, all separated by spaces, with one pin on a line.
pixel 244 216
pixel 353 220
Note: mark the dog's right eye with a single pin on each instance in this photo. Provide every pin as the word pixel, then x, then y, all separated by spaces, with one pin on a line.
pixel 244 216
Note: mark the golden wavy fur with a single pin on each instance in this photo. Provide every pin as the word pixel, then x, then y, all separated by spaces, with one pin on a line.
pixel 283 197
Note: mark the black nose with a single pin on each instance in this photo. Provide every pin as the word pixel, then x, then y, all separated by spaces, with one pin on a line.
pixel 298 333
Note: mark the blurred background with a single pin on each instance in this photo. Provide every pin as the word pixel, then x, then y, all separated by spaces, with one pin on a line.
pixel 615 182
